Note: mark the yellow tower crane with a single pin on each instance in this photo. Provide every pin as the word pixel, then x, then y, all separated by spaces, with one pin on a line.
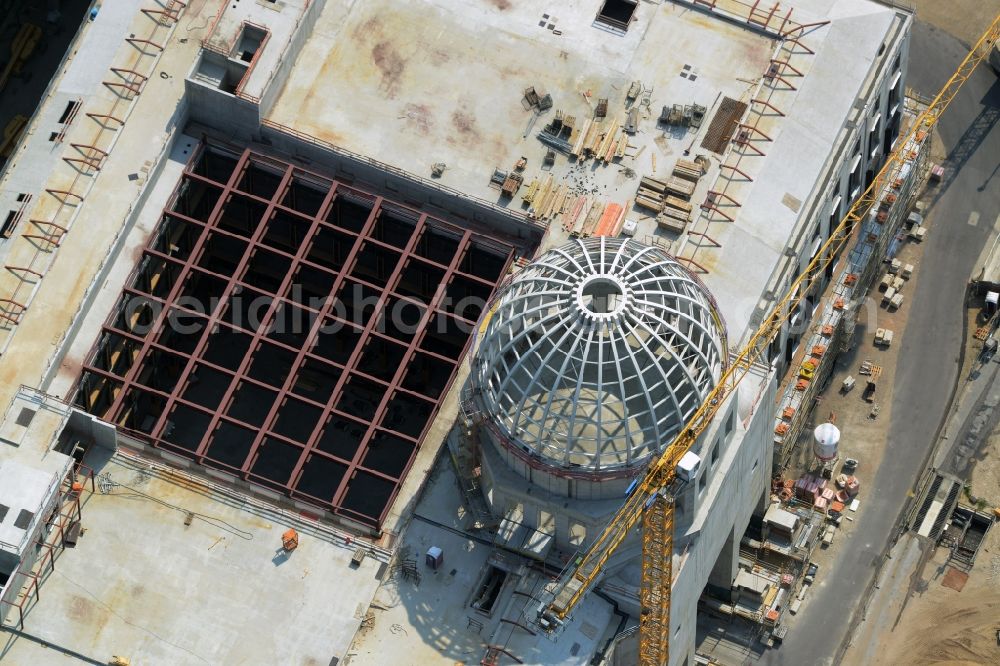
pixel 651 498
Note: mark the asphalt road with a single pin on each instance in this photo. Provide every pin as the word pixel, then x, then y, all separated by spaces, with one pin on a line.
pixel 930 346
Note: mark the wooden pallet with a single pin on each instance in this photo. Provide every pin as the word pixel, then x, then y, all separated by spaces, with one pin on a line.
pixel 982 333
pixel 655 205
pixel 655 184
pixel 679 204
pixel 872 369
pixel 680 187
pixel 687 170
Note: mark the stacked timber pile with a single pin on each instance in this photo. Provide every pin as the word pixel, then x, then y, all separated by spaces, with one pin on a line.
pixel 611 221
pixel 545 199
pixel 593 217
pixel 572 219
pixel 582 218
pixel 670 198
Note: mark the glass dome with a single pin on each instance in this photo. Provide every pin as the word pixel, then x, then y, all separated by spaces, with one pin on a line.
pixel 596 354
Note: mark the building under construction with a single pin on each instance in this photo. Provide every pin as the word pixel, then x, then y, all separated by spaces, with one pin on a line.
pixel 431 283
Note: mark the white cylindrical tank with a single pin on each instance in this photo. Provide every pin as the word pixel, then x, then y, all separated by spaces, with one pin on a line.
pixel 826 437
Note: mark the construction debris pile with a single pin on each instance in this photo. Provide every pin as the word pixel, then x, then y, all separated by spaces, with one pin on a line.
pixel 594 138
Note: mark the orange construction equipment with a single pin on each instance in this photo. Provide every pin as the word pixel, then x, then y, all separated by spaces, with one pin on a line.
pixel 290 540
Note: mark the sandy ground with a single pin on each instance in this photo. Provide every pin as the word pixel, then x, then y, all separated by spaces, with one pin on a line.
pixel 938 625
pixel 920 621
pixel 965 19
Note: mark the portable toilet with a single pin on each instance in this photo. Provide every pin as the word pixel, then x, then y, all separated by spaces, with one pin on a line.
pixel 435 558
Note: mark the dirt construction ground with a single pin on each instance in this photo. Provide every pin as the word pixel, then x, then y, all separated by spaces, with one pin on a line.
pixel 928 623
pixel 939 625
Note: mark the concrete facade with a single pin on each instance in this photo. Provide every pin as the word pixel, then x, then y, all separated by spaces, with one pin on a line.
pixel 869 133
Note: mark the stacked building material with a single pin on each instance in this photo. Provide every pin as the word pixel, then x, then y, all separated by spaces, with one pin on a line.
pixel 809 488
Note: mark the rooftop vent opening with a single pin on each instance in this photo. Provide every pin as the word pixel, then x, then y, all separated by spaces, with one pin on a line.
pixel 489 590
pixel 69 112
pixel 618 13
pixel 248 43
pixel 23 519
pixel 9 223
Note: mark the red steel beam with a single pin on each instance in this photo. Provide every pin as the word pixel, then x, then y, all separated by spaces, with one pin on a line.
pixel 168 14
pixel 21 269
pixel 744 143
pixel 54 240
pixel 699 268
pixel 103 116
pixel 785 20
pixel 767 104
pixel 711 241
pixel 753 128
pixel 798 43
pixel 801 27
pixel 65 193
pixel 774 76
pixel 430 312
pixel 81 147
pixel 21 307
pixel 47 223
pixel 736 169
pixel 349 365
pixel 135 40
pixel 713 207
pixel 147 344
pixel 252 246
pixel 712 197
pixel 785 63
pixel 161 319
pixel 89 162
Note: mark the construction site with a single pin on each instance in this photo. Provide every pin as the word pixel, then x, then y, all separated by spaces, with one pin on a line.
pixel 460 332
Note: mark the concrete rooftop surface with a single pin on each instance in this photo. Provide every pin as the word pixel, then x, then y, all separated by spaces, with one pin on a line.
pixel 435 81
pixel 141 582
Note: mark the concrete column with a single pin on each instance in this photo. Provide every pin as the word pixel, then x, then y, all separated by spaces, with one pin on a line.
pixel 724 571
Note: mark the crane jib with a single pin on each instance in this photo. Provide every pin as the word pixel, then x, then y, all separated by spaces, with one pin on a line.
pixel 642 494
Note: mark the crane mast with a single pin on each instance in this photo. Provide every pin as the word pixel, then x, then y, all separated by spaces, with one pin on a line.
pixel 649 498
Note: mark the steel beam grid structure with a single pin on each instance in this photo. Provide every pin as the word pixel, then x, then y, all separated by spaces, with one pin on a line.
pixel 360 481
pixel 543 370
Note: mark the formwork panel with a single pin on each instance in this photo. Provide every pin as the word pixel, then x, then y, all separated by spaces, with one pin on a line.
pixel 291 330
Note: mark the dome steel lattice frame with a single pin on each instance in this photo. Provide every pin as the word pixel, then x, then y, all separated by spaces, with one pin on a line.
pixel 595 355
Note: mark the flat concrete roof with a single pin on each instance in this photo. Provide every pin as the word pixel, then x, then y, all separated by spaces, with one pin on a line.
pixel 233 35
pixel 143 584
pixel 22 488
pixel 435 81
pixel 442 81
